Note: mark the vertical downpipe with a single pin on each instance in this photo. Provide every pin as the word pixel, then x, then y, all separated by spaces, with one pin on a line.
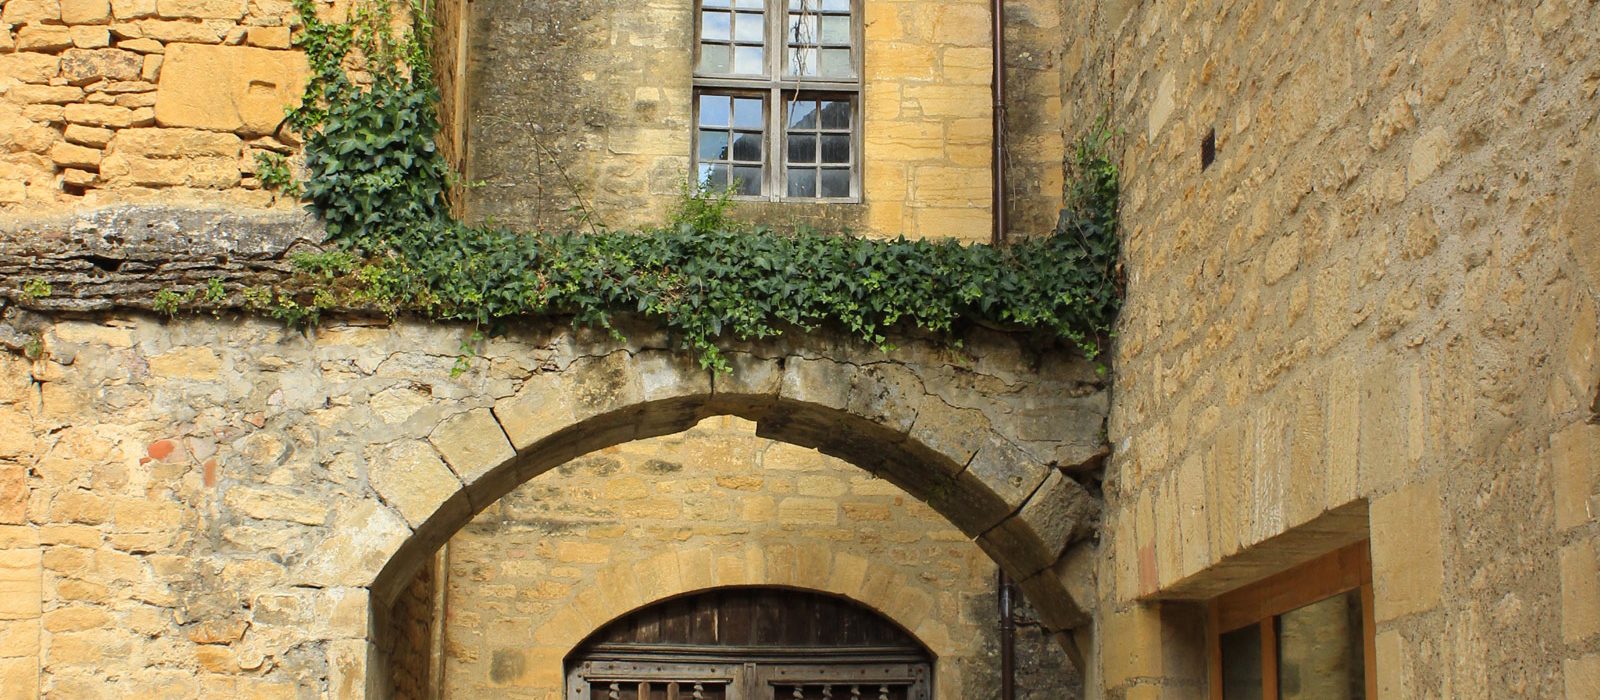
pixel 998 87
pixel 1008 641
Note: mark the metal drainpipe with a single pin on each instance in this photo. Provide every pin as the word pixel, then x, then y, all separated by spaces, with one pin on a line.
pixel 1008 641
pixel 998 87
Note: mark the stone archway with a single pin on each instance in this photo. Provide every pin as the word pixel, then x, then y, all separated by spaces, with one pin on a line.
pixel 952 449
pixel 821 567
pixel 254 492
pixel 912 417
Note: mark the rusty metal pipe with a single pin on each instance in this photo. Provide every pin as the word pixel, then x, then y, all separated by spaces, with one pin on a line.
pixel 998 87
pixel 1008 640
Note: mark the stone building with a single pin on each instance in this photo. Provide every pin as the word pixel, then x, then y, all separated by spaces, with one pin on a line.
pixel 1348 444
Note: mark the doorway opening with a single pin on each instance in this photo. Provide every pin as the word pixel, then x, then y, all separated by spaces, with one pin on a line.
pixel 761 643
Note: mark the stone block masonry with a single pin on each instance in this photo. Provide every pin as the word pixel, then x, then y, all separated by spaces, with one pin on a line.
pixel 1380 298
pixel 137 100
pixel 217 506
pixel 714 506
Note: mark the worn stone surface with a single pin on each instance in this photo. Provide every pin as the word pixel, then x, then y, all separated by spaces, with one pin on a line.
pixel 608 138
pixel 1379 293
pixel 122 256
pixel 229 88
pixel 230 494
pixel 590 537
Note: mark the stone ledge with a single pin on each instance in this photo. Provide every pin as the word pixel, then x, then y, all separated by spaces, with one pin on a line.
pixel 119 257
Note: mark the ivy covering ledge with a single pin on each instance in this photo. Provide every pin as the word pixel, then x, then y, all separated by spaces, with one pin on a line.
pixel 372 175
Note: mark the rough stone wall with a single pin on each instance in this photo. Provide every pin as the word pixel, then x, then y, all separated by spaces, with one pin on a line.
pixel 581 108
pixel 1035 143
pixel 715 491
pixel 412 622
pixel 208 507
pixel 116 101
pixel 1382 295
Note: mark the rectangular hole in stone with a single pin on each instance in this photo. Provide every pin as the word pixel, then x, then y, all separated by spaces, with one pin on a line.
pixel 1208 149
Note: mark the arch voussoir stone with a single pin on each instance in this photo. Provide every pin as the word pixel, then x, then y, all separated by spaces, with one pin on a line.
pixel 1058 514
pixel 946 433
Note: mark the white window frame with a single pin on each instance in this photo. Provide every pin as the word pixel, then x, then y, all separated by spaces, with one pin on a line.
pixel 777 89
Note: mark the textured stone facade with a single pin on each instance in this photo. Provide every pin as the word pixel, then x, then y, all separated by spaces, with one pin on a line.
pixel 227 507
pixel 1373 315
pixel 114 102
pixel 599 122
pixel 757 512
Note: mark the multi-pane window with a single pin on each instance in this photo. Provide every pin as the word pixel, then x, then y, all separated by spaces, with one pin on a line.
pixel 777 98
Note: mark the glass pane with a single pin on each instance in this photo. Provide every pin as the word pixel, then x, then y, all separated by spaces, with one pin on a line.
pixel 835 5
pixel 713 176
pixel 802 148
pixel 713 58
pixel 713 145
pixel 802 182
pixel 836 63
pixel 802 61
pixel 747 147
pixel 836 182
pixel 714 110
pixel 747 60
pixel 836 29
pixel 751 26
pixel 835 148
pixel 803 114
pixel 714 25
pixel 803 29
pixel 1320 654
pixel 803 5
pixel 713 3
pixel 1241 664
pixel 747 113
pixel 749 4
pixel 749 179
pixel 836 114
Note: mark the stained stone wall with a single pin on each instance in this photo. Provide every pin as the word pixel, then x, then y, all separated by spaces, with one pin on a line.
pixel 109 102
pixel 757 512
pixel 597 123
pixel 1374 314
pixel 215 506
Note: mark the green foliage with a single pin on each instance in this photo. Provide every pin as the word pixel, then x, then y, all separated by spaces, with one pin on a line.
pixel 36 288
pixel 169 301
pixel 273 171
pixel 33 347
pixel 373 174
pixel 702 209
pixel 215 292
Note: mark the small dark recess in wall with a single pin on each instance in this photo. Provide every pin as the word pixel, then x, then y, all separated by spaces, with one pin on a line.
pixel 1208 149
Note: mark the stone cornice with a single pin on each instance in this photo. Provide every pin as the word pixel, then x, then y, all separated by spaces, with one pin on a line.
pixel 119 257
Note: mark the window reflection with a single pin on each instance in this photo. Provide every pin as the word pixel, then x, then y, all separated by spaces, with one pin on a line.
pixel 1241 664
pixel 1320 653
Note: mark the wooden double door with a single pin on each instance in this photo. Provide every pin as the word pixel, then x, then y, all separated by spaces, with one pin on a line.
pixel 752 680
pixel 751 644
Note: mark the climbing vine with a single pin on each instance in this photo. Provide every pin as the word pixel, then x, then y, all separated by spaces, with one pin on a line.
pixel 371 171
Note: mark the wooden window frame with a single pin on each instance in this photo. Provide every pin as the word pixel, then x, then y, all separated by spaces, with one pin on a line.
pixel 1262 603
pixel 779 88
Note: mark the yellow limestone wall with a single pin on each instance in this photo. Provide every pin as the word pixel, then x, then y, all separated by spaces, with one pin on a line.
pixel 714 506
pixel 1381 297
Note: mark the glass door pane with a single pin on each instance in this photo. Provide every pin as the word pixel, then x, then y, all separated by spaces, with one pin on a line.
pixel 1241 664
pixel 1320 650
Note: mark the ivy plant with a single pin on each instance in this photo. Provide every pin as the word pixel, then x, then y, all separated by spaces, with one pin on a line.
pixel 372 172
